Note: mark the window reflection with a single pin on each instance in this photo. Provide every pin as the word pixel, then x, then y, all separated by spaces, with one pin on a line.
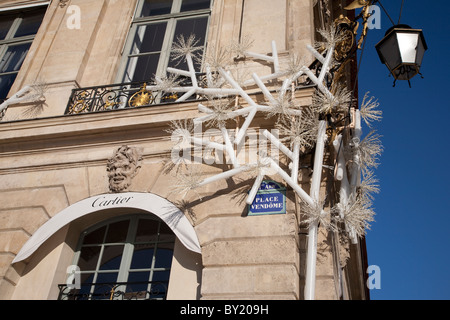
pixel 13 57
pixel 155 28
pixel 149 38
pixel 186 28
pixel 5 25
pixel 189 5
pixel 156 7
pixel 111 257
pixel 117 232
pixel 147 231
pixel 17 30
pixel 142 256
pixel 31 21
pixel 89 258
pixel 95 237
pixel 145 52
pixel 6 82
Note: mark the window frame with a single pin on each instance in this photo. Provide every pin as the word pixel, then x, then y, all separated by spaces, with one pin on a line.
pixel 11 41
pixel 129 243
pixel 171 19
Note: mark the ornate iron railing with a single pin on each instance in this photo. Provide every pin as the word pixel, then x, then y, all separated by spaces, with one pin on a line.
pixel 135 94
pixel 122 95
pixel 156 290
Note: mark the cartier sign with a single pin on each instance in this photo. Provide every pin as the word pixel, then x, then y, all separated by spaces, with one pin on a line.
pixel 110 201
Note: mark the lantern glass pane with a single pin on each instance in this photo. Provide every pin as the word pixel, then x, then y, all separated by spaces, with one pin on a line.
pixel 408 44
pixel 388 49
pixel 420 52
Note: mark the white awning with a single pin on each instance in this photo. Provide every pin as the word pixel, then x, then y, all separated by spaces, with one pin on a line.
pixel 149 202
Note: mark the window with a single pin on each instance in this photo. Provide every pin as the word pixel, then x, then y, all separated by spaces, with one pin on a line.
pixel 127 258
pixel 156 25
pixel 17 31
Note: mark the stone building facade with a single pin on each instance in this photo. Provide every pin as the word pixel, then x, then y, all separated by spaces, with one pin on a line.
pixel 70 170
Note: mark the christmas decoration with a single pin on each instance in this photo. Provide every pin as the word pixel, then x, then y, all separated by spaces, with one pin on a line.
pixel 301 128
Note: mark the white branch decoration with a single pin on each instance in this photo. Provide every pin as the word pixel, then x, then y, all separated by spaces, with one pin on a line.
pixel 29 94
pixel 368 110
pixel 299 126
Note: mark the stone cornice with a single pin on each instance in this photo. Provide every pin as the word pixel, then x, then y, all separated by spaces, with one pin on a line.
pixel 86 140
pixel 106 121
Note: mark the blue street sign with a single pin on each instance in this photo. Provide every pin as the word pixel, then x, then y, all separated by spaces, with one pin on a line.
pixel 270 199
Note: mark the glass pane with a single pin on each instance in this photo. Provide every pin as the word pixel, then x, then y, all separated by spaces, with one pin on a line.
pixel 85 289
pixel 87 278
pixel 142 256
pixel 13 58
pixel 166 234
pixel 149 38
pixel 104 290
pixel 162 276
pixel 160 282
pixel 6 82
pixel 147 230
pixel 163 257
pixel 140 276
pixel 88 258
pixel 142 68
pixel 111 257
pixel 155 7
pixel 107 277
pixel 420 52
pixel 5 25
pixel 407 43
pixel 30 23
pixel 195 26
pixel 138 285
pixel 83 294
pixel 95 237
pixel 186 28
pixel 188 5
pixel 117 232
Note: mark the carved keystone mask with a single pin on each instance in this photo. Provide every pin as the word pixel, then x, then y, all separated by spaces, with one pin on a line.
pixel 122 167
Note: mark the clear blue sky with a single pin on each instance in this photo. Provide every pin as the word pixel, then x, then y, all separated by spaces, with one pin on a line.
pixel 410 238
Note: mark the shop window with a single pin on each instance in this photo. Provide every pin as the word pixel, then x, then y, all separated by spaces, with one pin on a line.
pixel 124 259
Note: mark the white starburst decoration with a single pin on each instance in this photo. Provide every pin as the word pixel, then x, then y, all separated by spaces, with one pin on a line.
pixel 366 153
pixel 301 128
pixel 356 215
pixel 317 215
pixel 184 47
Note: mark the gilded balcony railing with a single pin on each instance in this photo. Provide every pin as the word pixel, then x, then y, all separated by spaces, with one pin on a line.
pixel 122 96
pixel 135 94
pixel 156 290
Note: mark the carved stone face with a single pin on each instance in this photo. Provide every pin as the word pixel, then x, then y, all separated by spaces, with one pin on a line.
pixel 122 167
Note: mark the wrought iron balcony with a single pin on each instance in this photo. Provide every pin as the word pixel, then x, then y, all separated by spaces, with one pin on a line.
pixel 121 96
pixel 156 290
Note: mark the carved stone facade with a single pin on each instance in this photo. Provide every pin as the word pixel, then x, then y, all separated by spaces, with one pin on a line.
pixel 51 161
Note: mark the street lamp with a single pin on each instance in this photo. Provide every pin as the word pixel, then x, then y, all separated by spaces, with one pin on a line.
pixel 402 50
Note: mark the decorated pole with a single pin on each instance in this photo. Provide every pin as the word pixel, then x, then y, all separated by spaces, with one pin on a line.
pixel 312 233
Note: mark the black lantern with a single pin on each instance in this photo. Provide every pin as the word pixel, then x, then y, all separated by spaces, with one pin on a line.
pixel 402 50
